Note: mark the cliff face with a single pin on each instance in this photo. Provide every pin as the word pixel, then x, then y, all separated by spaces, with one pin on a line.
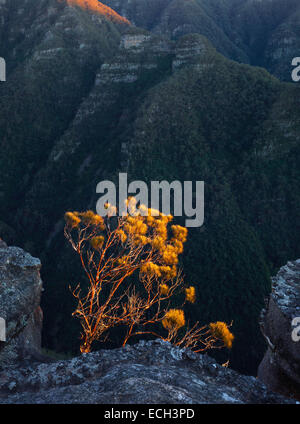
pixel 263 33
pixel 280 368
pixel 20 292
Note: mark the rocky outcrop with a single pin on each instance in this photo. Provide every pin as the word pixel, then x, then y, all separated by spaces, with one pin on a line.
pixel 20 292
pixel 280 368
pixel 133 41
pixel 147 373
pixel 190 50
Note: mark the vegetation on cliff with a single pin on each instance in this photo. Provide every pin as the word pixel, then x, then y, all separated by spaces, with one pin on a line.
pixel 93 105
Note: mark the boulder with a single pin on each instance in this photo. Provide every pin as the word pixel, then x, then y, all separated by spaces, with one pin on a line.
pixel 20 293
pixel 280 368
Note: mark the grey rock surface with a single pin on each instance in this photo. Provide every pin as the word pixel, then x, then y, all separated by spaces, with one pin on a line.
pixel 280 368
pixel 20 293
pixel 147 373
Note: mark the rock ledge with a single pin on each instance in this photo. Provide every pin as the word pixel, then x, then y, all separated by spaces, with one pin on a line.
pixel 147 373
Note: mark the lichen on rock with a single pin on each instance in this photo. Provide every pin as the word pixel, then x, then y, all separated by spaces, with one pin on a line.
pixel 280 368
pixel 20 292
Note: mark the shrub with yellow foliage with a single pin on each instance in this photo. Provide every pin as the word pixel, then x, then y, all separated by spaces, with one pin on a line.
pixel 112 249
pixel 174 319
pixel 190 294
pixel 72 220
pixel 97 242
pixel 221 331
pixel 164 289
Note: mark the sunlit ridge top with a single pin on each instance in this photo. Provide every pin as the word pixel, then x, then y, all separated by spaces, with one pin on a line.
pixel 99 8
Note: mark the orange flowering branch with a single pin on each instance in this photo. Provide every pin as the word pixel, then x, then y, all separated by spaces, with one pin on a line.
pixel 145 244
